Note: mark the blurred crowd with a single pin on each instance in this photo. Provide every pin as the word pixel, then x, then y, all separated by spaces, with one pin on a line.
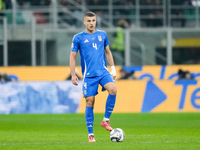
pixel 7 4
pixel 151 11
pixel 4 77
pixel 129 75
pixel 125 75
pixel 184 75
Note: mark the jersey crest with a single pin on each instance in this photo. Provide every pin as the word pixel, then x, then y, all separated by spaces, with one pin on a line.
pixel 100 38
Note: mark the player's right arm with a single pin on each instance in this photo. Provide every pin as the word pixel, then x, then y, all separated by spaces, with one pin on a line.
pixel 72 62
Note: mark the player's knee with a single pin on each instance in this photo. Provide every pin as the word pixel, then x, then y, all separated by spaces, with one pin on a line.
pixel 89 101
pixel 113 91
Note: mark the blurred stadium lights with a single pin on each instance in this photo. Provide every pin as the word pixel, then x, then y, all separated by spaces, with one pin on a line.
pixel 196 3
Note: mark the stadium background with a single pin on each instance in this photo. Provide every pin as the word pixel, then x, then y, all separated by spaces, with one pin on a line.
pixel 161 37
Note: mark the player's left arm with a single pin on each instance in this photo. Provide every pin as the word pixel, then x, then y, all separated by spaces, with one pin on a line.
pixel 110 59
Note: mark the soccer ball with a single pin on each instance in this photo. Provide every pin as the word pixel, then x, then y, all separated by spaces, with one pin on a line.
pixel 117 135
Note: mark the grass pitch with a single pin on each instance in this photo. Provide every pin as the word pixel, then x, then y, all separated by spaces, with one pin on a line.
pixel 144 131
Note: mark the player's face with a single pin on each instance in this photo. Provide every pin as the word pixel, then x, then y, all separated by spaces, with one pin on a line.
pixel 90 24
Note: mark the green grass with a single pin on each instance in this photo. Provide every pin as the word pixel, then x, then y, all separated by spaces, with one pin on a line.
pixel 144 131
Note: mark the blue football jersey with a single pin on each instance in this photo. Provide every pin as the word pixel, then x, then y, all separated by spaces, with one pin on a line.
pixel 91 48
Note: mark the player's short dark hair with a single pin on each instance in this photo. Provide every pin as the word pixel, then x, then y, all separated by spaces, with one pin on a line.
pixel 89 14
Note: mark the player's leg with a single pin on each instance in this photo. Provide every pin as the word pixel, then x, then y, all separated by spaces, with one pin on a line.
pixel 110 103
pixel 110 86
pixel 90 87
pixel 89 117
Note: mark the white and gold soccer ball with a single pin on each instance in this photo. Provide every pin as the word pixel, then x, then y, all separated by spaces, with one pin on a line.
pixel 117 135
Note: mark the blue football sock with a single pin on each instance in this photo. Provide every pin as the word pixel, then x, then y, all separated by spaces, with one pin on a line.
pixel 110 104
pixel 89 118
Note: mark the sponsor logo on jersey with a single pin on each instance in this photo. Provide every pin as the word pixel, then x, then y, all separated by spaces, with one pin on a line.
pixel 72 45
pixel 100 38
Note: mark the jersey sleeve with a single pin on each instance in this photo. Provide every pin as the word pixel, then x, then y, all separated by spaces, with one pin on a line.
pixel 106 42
pixel 75 44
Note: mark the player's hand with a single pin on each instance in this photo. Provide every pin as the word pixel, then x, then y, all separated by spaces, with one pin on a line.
pixel 75 80
pixel 113 72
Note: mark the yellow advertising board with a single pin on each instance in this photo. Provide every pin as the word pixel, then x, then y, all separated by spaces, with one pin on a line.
pixel 152 96
pixel 162 72
pixel 156 89
pixel 58 73
pixel 52 73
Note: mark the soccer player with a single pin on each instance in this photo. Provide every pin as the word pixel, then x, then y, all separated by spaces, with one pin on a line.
pixel 93 46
